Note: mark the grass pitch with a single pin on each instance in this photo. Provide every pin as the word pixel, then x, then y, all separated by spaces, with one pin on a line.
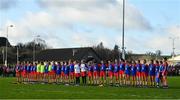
pixel 8 90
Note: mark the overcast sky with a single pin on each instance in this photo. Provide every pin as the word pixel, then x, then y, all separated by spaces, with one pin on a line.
pixel 76 23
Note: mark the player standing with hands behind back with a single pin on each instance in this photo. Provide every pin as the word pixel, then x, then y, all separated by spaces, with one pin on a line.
pixel 83 71
pixel 77 72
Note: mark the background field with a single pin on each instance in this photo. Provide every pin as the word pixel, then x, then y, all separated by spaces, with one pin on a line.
pixel 49 91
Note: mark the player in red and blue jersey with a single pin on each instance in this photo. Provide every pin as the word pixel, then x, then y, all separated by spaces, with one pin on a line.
pixel 34 72
pixel 28 70
pixel 53 72
pixel 161 69
pixel 31 72
pixel 46 71
pixel 164 73
pixel 71 71
pixel 90 73
pixel 144 73
pixel 127 72
pixel 95 73
pixel 133 73
pixel 116 71
pixel 152 73
pixel 62 72
pixel 110 72
pixel 58 72
pixel 138 72
pixel 24 72
pixel 18 72
pixel 121 72
pixel 66 72
pixel 102 73
pixel 157 73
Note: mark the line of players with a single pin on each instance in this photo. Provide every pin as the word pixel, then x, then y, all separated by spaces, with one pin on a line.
pixel 135 73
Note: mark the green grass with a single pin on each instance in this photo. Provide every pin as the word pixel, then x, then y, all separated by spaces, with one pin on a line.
pixel 8 90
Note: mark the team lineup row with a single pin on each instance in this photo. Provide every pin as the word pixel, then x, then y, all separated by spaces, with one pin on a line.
pixel 135 73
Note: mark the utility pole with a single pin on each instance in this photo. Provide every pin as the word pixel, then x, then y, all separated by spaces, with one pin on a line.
pixel 6 57
pixel 123 48
pixel 173 45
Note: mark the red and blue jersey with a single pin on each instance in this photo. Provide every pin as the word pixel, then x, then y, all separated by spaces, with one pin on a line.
pixel 157 70
pixel 133 70
pixel 116 68
pixel 110 68
pixel 27 68
pixel 138 67
pixel 46 68
pixel 31 68
pixel 103 67
pixel 63 69
pixel 90 68
pixel 161 68
pixel 144 68
pixel 127 69
pixel 54 67
pixel 165 67
pixel 34 68
pixel 66 70
pixel 96 68
pixel 71 68
pixel 151 69
pixel 18 68
pixel 22 68
pixel 122 67
pixel 58 69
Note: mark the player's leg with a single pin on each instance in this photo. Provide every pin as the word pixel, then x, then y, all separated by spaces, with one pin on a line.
pixel 146 76
pixel 132 80
pixel 165 80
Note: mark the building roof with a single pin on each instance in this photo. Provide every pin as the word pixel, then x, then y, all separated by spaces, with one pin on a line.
pixel 175 59
pixel 3 41
pixel 65 54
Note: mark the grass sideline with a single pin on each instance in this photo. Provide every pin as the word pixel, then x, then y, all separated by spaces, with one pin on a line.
pixel 8 90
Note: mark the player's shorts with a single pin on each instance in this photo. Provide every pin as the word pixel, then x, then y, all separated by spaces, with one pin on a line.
pixel 144 74
pixel 24 73
pixel 77 74
pixel 42 73
pixel 90 74
pixel 72 74
pixel 116 74
pixel 121 72
pixel 95 74
pixel 164 73
pixel 83 74
pixel 66 74
pixel 152 73
pixel 62 74
pixel 127 75
pixel 18 74
pixel 52 72
pixel 138 74
pixel 110 74
pixel 46 73
pixel 102 74
pixel 38 73
pixel 58 73
pixel 133 74
pixel 32 73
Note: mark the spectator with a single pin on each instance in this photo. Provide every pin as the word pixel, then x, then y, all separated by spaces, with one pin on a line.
pixel 1 70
